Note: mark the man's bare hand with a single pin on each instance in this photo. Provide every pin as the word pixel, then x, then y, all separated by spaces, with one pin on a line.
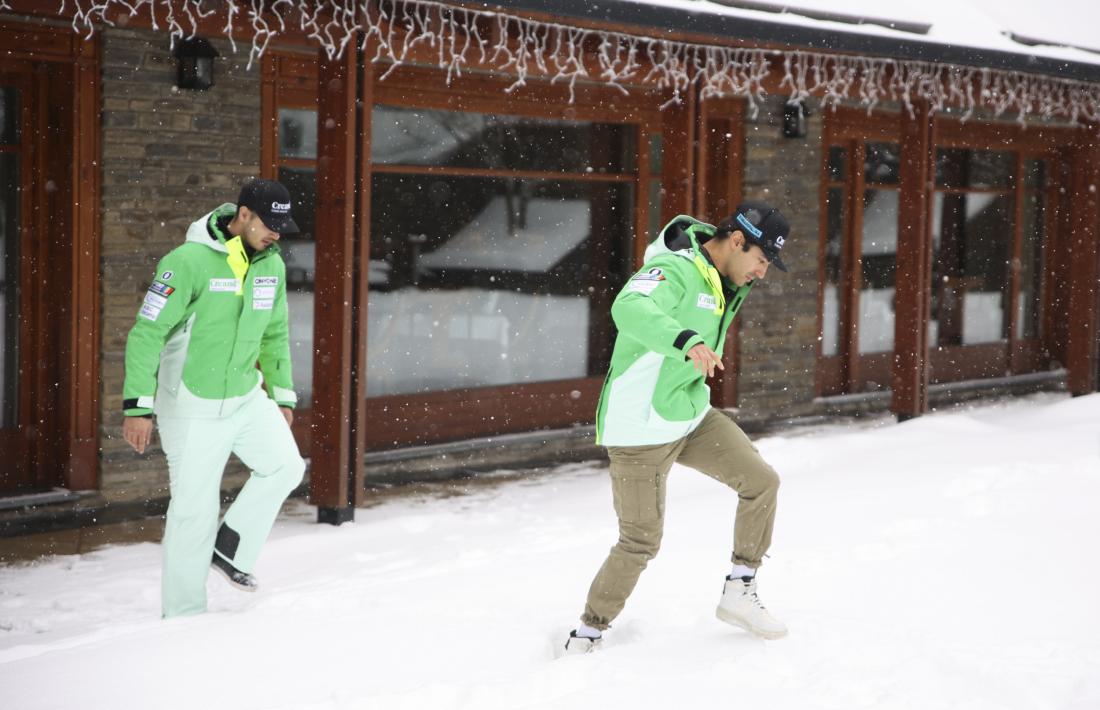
pixel 705 359
pixel 288 414
pixel 137 431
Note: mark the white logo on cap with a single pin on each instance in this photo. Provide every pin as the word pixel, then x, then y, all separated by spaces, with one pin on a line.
pixel 280 206
pixel 779 241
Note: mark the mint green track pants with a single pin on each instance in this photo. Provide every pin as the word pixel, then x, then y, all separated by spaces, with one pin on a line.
pixel 197 451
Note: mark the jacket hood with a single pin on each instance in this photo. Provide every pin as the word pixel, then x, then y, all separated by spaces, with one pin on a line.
pixel 197 231
pixel 682 236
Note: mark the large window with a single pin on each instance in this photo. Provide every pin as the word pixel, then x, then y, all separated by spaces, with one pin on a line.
pixel 972 229
pixel 496 243
pixel 990 220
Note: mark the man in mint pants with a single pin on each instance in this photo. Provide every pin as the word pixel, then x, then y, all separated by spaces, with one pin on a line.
pixel 654 409
pixel 215 308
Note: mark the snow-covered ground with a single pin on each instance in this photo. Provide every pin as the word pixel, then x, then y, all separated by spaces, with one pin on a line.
pixel 948 562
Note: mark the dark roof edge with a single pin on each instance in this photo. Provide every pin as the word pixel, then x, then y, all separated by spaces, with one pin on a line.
pixel 658 18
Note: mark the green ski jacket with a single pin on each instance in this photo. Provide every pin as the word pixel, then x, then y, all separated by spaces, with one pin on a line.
pixel 653 394
pixel 209 316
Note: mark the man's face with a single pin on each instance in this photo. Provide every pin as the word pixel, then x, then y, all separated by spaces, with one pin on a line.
pixel 744 266
pixel 256 234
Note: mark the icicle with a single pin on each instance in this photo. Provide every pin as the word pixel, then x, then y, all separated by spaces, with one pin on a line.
pixel 524 47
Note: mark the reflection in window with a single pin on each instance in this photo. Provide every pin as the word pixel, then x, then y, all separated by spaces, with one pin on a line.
pixel 1031 253
pixel 972 244
pixel 882 163
pixel 834 240
pixel 878 254
pixel 414 136
pixel 298 133
pixel 9 285
pixel 479 281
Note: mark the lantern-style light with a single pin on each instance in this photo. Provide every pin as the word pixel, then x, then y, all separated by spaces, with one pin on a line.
pixel 195 56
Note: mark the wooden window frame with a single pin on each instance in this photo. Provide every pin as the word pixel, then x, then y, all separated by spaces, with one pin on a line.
pixel 446 415
pixel 847 371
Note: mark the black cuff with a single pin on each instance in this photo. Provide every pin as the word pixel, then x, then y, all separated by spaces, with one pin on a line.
pixel 683 338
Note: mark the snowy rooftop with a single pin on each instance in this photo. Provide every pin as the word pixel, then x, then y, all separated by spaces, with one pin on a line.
pixel 1044 36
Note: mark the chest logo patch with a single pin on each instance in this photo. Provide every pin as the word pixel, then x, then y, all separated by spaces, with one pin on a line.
pixel 223 285
pixel 707 301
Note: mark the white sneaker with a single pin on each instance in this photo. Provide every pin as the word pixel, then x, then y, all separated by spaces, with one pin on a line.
pixel 576 645
pixel 740 606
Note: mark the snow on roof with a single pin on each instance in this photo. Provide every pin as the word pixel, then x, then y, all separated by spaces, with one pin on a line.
pixel 1065 29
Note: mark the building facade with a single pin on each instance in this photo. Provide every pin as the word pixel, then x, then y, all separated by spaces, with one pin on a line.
pixel 474 185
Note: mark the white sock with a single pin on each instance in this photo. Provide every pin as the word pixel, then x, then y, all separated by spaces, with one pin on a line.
pixel 740 571
pixel 588 632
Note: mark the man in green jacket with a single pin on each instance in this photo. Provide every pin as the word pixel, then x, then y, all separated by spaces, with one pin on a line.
pixel 654 410
pixel 215 308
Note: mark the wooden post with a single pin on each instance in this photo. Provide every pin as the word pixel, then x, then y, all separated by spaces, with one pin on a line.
pixel 332 464
pixel 82 426
pixel 1084 268
pixel 678 161
pixel 914 264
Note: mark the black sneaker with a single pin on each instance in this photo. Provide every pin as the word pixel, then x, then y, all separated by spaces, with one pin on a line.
pixel 241 580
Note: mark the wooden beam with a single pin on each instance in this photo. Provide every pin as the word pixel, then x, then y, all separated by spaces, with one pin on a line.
pixel 1084 263
pixel 82 427
pixel 914 264
pixel 331 464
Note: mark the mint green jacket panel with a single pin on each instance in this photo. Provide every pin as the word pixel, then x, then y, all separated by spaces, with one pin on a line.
pixel 201 331
pixel 653 394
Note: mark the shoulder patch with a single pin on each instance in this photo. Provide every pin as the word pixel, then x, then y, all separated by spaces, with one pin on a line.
pixel 162 289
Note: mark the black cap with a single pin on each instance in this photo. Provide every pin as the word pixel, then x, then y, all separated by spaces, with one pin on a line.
pixel 762 225
pixel 271 201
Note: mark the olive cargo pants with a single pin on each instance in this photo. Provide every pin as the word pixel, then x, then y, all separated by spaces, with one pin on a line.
pixel 717 448
pixel 197 451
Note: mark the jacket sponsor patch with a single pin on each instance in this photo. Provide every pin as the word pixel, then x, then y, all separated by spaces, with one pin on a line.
pixel 166 276
pixel 645 281
pixel 163 289
pixel 152 305
pixel 224 285
pixel 265 281
pixel 263 292
pixel 264 305
pixel 707 300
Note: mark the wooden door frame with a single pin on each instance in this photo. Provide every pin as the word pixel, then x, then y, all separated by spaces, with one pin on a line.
pixel 64 195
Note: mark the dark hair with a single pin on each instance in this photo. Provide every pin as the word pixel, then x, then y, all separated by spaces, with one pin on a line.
pixel 724 231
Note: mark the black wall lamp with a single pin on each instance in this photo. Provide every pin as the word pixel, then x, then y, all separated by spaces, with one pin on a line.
pixel 794 119
pixel 196 63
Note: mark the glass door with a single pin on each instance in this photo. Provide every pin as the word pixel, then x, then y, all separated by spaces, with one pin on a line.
pixel 15 473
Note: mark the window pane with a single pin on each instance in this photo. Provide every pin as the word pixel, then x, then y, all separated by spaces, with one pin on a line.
pixel 9 287
pixel 492 281
pixel 881 164
pixel 1035 173
pixel 838 159
pixel 299 253
pixel 414 136
pixel 9 115
pixel 1031 267
pixel 972 238
pixel 964 168
pixel 879 257
pixel 297 133
pixel 834 240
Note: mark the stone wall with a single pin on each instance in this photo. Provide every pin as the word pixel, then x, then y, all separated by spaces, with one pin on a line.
pixel 779 321
pixel 169 156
